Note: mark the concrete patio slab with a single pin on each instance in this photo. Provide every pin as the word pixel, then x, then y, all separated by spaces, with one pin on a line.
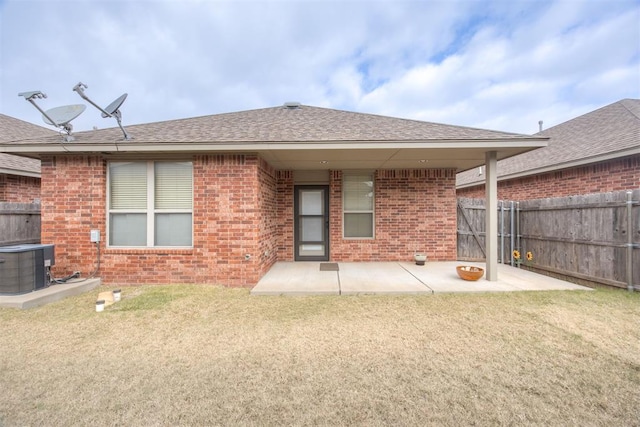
pixel 378 278
pixel 49 294
pixel 298 278
pixel 442 277
pixel 305 278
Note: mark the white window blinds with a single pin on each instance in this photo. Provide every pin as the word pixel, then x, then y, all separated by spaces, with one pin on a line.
pixel 150 204
pixel 358 205
pixel 128 183
pixel 173 185
pixel 358 192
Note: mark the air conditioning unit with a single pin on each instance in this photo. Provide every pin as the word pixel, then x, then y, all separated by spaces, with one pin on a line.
pixel 23 268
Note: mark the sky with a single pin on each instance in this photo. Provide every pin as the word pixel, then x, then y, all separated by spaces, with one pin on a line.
pixel 501 65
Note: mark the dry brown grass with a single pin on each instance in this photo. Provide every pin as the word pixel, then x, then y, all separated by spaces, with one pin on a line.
pixel 188 355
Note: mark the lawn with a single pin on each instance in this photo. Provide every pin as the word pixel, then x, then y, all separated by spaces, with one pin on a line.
pixel 203 355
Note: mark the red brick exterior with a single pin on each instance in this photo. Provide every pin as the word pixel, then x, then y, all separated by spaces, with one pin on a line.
pixel 415 211
pixel 268 224
pixel 241 206
pixel 612 175
pixel 234 215
pixel 285 215
pixel 73 203
pixel 19 189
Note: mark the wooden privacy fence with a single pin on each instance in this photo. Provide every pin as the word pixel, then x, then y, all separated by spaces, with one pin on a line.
pixel 594 237
pixel 19 223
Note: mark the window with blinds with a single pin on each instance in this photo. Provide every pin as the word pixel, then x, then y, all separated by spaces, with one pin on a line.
pixel 150 204
pixel 358 205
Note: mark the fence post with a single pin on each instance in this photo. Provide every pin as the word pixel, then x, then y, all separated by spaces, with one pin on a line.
pixel 518 230
pixel 629 241
pixel 501 231
pixel 512 234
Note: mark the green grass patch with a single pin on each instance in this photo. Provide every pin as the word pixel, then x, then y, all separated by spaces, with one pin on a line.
pixel 150 298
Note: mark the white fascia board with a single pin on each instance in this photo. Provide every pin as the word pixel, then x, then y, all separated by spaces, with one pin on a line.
pixel 66 147
pixel 19 172
pixel 129 146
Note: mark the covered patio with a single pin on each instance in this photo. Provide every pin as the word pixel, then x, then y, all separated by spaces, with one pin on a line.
pixel 395 278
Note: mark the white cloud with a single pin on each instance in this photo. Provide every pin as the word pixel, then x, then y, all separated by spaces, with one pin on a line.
pixel 508 80
pixel 501 65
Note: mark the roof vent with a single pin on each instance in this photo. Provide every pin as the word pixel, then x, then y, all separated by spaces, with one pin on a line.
pixel 291 105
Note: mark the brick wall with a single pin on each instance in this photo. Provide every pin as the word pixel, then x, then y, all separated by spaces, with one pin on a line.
pixel 612 175
pixel 415 211
pixel 241 206
pixel 19 189
pixel 268 217
pixel 234 216
pixel 285 215
pixel 227 213
pixel 72 204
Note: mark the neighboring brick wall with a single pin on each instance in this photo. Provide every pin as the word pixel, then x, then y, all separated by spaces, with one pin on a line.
pixel 415 211
pixel 233 210
pixel 612 175
pixel 19 189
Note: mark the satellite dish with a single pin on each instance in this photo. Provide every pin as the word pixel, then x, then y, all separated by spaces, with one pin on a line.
pixel 113 107
pixel 63 115
pixel 60 116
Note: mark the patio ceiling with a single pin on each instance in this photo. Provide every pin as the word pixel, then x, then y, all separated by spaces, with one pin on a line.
pixel 400 157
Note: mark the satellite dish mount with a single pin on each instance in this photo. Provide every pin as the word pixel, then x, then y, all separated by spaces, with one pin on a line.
pixel 112 110
pixel 59 117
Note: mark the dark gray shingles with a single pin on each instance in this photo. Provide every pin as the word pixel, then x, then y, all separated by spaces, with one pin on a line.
pixel 12 129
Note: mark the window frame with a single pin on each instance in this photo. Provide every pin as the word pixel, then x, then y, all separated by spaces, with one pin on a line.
pixel 150 211
pixel 371 211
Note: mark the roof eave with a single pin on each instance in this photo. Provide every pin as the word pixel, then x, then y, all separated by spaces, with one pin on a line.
pixel 19 172
pixel 526 143
pixel 559 166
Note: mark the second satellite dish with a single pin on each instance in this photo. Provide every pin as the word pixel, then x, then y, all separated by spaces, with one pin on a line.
pixel 112 110
pixel 115 105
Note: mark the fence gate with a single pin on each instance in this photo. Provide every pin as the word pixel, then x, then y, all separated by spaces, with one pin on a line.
pixel 471 230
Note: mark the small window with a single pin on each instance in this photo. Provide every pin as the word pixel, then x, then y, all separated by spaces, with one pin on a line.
pixel 150 204
pixel 357 205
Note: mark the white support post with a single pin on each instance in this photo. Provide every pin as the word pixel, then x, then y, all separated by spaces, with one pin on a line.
pixel 491 236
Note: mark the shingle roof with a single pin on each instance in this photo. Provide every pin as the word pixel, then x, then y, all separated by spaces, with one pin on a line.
pixel 16 165
pixel 12 129
pixel 282 124
pixel 612 129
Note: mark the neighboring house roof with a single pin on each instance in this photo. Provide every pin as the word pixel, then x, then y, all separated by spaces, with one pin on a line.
pixel 12 129
pixel 609 132
pixel 18 165
pixel 301 136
